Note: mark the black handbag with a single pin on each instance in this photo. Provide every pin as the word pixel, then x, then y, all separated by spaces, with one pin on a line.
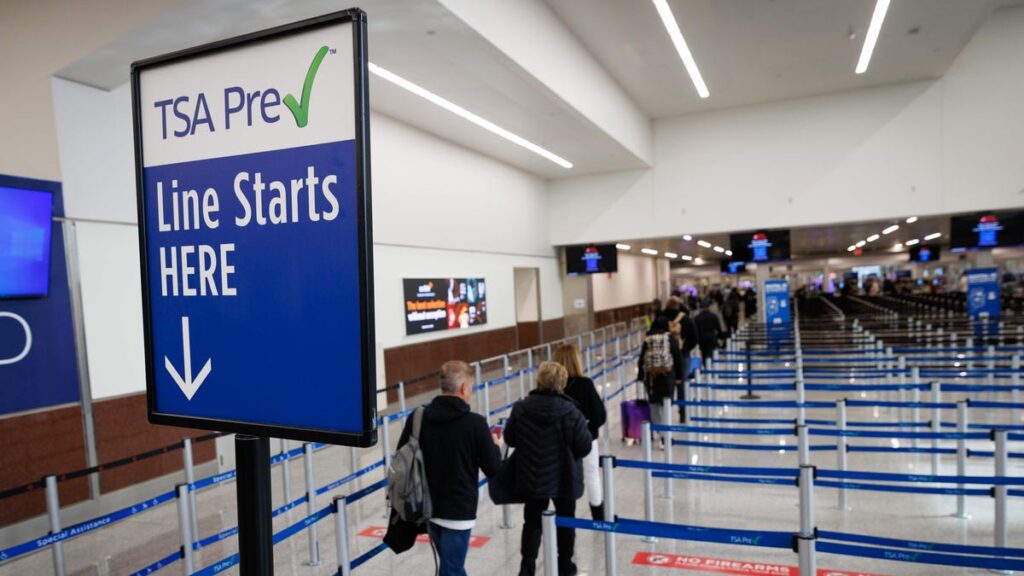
pixel 401 534
pixel 502 488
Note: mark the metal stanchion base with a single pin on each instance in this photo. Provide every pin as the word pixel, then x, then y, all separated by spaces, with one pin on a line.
pixel 964 516
pixel 649 539
pixel 750 396
pixel 844 508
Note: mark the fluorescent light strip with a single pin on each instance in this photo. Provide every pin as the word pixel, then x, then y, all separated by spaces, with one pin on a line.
pixel 671 255
pixel 687 258
pixel 719 249
pixel 649 251
pixel 851 248
pixel 728 252
pixel 881 7
pixel 911 242
pixel 703 244
pixel 873 237
pixel 860 244
pixel 687 237
pixel 933 236
pixel 698 261
pixel 623 246
pixel 912 219
pixel 891 229
pixel 669 20
pixel 462 112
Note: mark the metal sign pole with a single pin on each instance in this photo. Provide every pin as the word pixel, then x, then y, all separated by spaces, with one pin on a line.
pixel 255 531
pixel 608 473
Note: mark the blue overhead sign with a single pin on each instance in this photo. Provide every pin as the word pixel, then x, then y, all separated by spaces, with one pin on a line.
pixel 254 204
pixel 983 293
pixel 776 303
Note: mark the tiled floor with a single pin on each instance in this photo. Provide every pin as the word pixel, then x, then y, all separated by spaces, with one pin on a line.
pixel 137 541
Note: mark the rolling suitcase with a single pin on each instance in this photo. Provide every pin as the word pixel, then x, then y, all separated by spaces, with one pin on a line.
pixel 634 414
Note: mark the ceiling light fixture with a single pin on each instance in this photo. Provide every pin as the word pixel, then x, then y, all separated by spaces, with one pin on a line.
pixel 728 252
pixel 891 229
pixel 851 248
pixel 860 244
pixel 912 219
pixel 881 7
pixel 911 242
pixel 687 237
pixel 873 237
pixel 703 244
pixel 671 255
pixel 462 112
pixel 649 251
pixel 898 246
pixel 669 20
pixel 687 258
pixel 933 236
pixel 623 246
pixel 698 261
pixel 719 249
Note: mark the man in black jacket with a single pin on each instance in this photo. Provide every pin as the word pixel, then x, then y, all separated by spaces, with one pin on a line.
pixel 456 446
pixel 551 437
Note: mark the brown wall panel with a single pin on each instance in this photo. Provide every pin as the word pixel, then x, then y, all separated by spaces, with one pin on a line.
pixel 554 329
pixel 35 445
pixel 528 335
pixel 123 429
pixel 623 314
pixel 415 360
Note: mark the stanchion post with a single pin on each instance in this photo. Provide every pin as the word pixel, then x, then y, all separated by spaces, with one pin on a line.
pixel 185 528
pixel 841 454
pixel 353 459
pixel 806 538
pixel 478 371
pixel 550 543
pixel 53 511
pixel 936 424
pixel 314 544
pixel 961 457
pixel 991 365
pixel 915 396
pixel 286 476
pixel 523 370
pixel 507 364
pixel 801 400
pixel 648 479
pixel 902 392
pixel 190 478
pixel 608 474
pixel 1015 393
pixel 401 396
pixel 666 409
pixel 487 402
pixel 1000 490
pixel 340 509
pixel 529 361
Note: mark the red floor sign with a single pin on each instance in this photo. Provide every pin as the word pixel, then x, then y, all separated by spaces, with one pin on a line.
pixel 726 566
pixel 378 533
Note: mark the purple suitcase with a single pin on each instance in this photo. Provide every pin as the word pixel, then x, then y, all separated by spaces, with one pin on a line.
pixel 634 414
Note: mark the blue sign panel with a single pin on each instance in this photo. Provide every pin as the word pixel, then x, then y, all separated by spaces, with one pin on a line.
pixel 776 303
pixel 983 293
pixel 38 366
pixel 254 204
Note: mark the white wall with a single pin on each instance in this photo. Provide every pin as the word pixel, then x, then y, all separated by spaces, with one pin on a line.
pixel 439 210
pixel 921 148
pixel 636 282
pixel 527 293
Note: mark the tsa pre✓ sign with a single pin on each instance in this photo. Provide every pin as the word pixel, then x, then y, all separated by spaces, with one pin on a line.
pixel 255 233
pixel 776 303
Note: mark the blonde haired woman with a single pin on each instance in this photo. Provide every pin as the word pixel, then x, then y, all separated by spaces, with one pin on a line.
pixel 582 390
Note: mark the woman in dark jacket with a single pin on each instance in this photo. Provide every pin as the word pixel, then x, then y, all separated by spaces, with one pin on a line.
pixel 582 390
pixel 550 436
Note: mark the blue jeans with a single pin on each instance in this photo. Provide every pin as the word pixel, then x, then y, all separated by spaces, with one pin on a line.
pixel 452 546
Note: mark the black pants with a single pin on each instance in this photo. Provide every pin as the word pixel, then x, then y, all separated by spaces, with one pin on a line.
pixel 707 349
pixel 532 534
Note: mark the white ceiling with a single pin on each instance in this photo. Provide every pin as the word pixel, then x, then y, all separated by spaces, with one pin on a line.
pixel 751 51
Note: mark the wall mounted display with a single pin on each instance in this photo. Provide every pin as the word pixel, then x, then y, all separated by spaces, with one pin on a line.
pixel 732 267
pixel 986 230
pixel 760 246
pixel 26 218
pixel 591 259
pixel 925 253
pixel 433 304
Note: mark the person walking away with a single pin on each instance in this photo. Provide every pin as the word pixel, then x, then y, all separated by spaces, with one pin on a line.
pixel 731 313
pixel 690 337
pixel 582 390
pixel 551 437
pixel 709 329
pixel 660 367
pixel 456 445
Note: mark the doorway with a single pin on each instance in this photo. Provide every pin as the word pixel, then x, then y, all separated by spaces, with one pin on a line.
pixel 529 324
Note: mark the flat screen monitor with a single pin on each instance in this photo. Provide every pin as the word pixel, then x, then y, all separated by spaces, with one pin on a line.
pixel 924 253
pixel 591 259
pixel 26 222
pixel 760 246
pixel 986 230
pixel 433 304
pixel 732 266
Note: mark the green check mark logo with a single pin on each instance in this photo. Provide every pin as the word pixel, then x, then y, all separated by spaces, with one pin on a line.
pixel 301 111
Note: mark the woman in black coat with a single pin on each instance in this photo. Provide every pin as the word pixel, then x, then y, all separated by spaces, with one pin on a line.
pixel 582 390
pixel 551 437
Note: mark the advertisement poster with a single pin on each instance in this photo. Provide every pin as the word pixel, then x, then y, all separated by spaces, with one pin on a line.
pixel 433 304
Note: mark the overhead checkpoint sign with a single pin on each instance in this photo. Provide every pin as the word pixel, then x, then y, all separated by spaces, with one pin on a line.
pixel 253 185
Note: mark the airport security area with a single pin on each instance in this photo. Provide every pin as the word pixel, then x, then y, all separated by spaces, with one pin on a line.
pixel 779 244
